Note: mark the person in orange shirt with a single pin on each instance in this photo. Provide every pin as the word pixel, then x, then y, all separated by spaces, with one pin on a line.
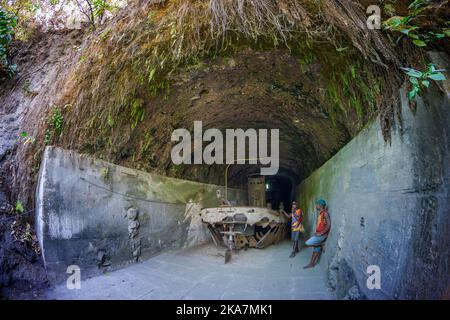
pixel 320 236
pixel 296 217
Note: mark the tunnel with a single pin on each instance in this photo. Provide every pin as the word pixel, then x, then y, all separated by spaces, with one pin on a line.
pixel 324 152
pixel 321 155
pixel 318 141
pixel 253 90
pixel 280 191
pixel 94 153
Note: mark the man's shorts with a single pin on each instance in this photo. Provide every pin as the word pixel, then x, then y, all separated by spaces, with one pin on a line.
pixel 295 235
pixel 316 240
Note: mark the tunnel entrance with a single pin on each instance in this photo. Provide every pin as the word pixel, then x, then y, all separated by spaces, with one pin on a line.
pixel 278 190
pixel 270 191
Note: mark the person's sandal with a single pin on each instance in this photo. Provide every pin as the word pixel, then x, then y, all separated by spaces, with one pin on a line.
pixel 292 254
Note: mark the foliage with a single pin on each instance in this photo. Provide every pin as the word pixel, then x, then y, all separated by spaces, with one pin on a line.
pixel 26 139
pixel 55 122
pixel 47 136
pixel 141 56
pixel 101 7
pixel 137 112
pixel 183 33
pixel 389 9
pixel 95 10
pixel 25 10
pixel 410 27
pixel 8 22
pixel 421 79
pixel 27 235
pixel 19 207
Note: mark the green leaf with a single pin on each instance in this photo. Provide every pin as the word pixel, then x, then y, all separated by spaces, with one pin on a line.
pixel 426 83
pixel 151 75
pixel 19 207
pixel 110 120
pixel 414 80
pixel 419 43
pixel 431 68
pixel 412 72
pixel 412 95
pixel 405 31
pixel 393 22
pixel 437 76
pixel 353 71
pixel 341 49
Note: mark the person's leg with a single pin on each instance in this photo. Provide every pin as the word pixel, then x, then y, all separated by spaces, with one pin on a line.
pixel 310 242
pixel 317 251
pixel 293 250
pixel 294 236
pixel 314 258
pixel 314 241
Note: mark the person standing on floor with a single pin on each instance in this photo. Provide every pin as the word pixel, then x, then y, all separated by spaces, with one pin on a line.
pixel 296 217
pixel 320 236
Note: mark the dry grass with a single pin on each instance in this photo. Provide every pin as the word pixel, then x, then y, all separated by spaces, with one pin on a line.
pixel 191 28
pixel 137 53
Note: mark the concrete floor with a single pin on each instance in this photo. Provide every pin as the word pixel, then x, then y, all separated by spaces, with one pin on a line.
pixel 199 273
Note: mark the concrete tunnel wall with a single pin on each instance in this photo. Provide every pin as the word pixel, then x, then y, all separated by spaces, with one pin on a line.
pixel 83 214
pixel 389 205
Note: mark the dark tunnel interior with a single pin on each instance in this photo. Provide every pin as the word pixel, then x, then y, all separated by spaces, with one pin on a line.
pixel 279 190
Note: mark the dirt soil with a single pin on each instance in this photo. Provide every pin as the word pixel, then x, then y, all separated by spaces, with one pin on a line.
pixel 40 62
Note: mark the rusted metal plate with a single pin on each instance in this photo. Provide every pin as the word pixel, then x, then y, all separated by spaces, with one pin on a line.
pixel 243 227
pixel 254 215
